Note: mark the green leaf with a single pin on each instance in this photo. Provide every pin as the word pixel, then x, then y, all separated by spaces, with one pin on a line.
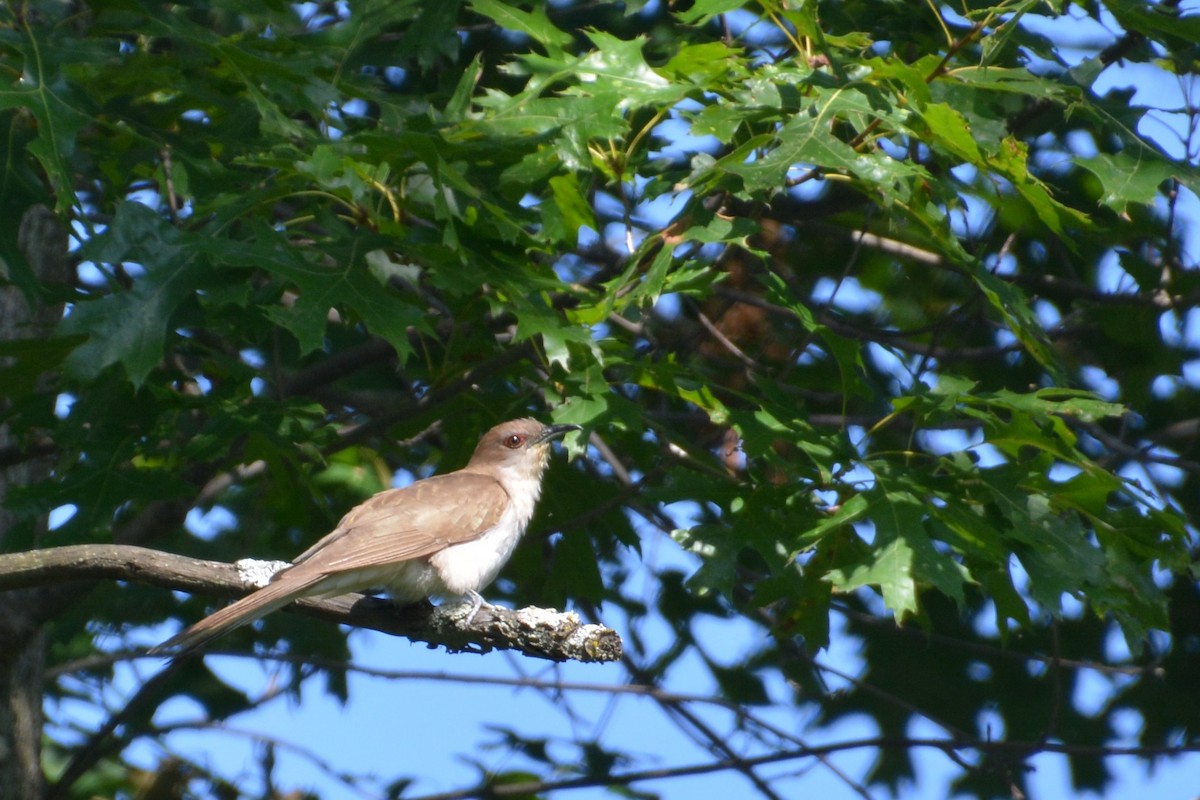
pixel 332 169
pixel 1011 160
pixel 997 42
pixel 130 327
pixel 1014 308
pixel 650 286
pixel 616 70
pixel 49 97
pixel 575 574
pixel 534 24
pixel 432 35
pixel 952 131
pixel 1129 177
pixel 25 362
pixel 718 553
pixel 804 143
pixel 853 509
pixel 703 64
pixel 567 210
pixel 349 287
pixel 704 10
pixel 1010 605
pixel 902 557
pixel 739 685
pixel 460 102
pixel 891 570
pixel 709 227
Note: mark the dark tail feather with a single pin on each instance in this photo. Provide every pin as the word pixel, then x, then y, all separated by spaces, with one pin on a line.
pixel 274 595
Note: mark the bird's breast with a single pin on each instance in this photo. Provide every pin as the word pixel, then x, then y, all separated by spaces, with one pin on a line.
pixel 470 566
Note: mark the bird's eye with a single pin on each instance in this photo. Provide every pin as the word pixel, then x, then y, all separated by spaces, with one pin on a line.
pixel 513 441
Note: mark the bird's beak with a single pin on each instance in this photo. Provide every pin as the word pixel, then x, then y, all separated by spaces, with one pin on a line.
pixel 555 432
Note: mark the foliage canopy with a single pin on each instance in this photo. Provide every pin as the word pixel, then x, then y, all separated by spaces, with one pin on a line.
pixel 884 311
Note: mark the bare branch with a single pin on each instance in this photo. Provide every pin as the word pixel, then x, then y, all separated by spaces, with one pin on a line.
pixel 948 746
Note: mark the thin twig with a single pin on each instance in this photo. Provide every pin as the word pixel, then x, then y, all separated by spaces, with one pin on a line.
pixel 948 746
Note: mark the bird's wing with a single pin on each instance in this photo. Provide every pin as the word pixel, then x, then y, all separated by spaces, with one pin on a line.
pixel 392 526
pixel 402 524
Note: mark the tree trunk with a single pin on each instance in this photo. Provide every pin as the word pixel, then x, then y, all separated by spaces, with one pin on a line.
pixel 43 241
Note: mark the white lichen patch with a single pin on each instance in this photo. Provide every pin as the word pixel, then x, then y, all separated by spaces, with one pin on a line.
pixel 256 573
pixel 534 617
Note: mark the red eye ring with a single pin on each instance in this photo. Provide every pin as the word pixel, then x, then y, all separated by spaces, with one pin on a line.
pixel 513 441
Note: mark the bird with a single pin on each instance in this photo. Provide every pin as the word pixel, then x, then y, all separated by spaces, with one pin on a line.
pixel 447 535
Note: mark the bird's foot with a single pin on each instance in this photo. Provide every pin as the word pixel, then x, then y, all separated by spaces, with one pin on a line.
pixel 476 601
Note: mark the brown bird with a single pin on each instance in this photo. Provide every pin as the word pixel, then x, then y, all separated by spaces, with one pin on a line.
pixel 448 535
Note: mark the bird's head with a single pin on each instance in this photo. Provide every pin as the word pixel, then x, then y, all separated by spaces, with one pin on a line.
pixel 519 447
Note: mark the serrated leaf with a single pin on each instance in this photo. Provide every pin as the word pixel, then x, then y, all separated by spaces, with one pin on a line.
pixel 1015 309
pixel 1011 160
pixel 704 10
pixel 1129 177
pixel 718 552
pixel 460 101
pixel 890 569
pixel 618 69
pixel 50 99
pixel 714 228
pixel 902 556
pixel 650 286
pixel 130 327
pixel 995 43
pixel 853 509
pixel 703 64
pixel 534 24
pixel 350 287
pixel 952 131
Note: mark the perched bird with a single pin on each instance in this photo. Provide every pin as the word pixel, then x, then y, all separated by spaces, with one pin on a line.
pixel 448 535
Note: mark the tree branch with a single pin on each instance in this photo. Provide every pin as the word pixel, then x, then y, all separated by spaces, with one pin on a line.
pixel 1022 749
pixel 536 632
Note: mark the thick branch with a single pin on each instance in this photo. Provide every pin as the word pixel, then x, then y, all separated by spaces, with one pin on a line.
pixel 536 632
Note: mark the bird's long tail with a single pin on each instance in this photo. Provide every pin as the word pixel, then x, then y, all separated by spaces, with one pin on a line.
pixel 274 595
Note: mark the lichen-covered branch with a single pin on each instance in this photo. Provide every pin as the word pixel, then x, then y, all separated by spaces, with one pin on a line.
pixel 536 632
